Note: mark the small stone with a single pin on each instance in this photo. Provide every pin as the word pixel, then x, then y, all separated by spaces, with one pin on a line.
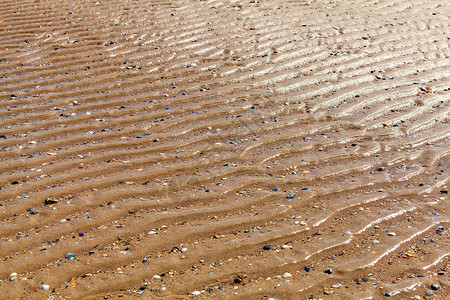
pixel 238 280
pixel 307 269
pixel 156 140
pixel 435 286
pixel 152 232
pixel 45 287
pixel 429 292
pixel 70 256
pixel 391 233
pixel 388 294
pixel 380 169
pixel 328 292
pixel 50 201
pixel 290 196
pixel 156 277
pixel 267 247
pixel 417 297
pixel 12 278
pixel 284 247
pixel 271 298
pixel 196 293
pixel 13 274
pixel 328 271
pixel 286 275
pixel 365 279
pixel 34 212
pixel 375 242
pixel 183 250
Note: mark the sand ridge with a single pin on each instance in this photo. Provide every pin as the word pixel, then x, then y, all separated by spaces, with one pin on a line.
pixel 167 144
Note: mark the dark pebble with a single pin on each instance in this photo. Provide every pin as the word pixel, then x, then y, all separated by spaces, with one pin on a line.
pixel 354 145
pixel 307 269
pixel 421 184
pixel 238 280
pixel 82 234
pixel 2 136
pixel 435 286
pixel 15 182
pixel 156 140
pixel 388 294
pixel 34 212
pixel 442 192
pixel 276 189
pixel 365 279
pixel 440 228
pixel 290 196
pixel 381 169
pixel 328 271
pixel 305 189
pixel 267 247
pixel 143 287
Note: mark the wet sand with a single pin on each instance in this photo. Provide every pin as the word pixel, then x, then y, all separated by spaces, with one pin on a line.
pixel 224 149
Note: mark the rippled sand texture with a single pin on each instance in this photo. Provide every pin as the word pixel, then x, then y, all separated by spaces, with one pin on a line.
pixel 134 129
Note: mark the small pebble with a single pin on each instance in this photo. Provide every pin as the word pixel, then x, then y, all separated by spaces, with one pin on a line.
pixel 267 247
pixel 417 297
pixel 156 140
pixel 375 242
pixel 156 277
pixel 307 269
pixel 12 278
pixel 70 256
pixel 34 212
pixel 435 286
pixel 183 250
pixel 391 233
pixel 286 275
pixel 328 271
pixel 290 196
pixel 429 292
pixel 284 247
pixel 45 287
pixel 381 169
pixel 196 293
pixel 388 294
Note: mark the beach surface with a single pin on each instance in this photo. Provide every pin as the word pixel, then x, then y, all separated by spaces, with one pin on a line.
pixel 224 149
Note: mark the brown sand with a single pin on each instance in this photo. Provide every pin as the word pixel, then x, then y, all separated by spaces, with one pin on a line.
pixel 348 99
